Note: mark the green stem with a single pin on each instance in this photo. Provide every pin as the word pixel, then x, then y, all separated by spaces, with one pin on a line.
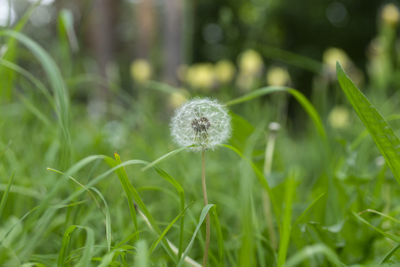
pixel 204 186
pixel 269 152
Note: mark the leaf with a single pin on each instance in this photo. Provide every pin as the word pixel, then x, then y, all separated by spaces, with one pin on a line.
pixel 134 198
pixel 260 176
pixel 54 76
pixel 5 195
pixel 7 75
pixel 203 215
pixel 388 235
pixel 383 135
pixel 163 157
pixel 66 28
pixel 287 220
pixel 155 244
pixel 311 251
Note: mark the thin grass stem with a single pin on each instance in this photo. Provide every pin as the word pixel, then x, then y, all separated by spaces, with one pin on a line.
pixel 204 186
pixel 269 152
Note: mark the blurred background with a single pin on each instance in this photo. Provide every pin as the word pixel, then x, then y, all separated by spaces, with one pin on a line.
pixel 199 44
pixel 109 77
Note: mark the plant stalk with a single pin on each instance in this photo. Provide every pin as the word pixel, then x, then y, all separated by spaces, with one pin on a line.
pixel 204 186
pixel 269 152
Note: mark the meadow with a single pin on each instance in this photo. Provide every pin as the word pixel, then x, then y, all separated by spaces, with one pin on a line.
pixel 303 179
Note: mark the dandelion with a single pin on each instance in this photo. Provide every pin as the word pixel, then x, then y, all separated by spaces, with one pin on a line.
pixel 332 55
pixel 141 70
pixel 224 71
pixel 339 117
pixel 202 123
pixel 277 76
pixel 201 76
pixel 177 98
pixel 390 14
pixel 250 62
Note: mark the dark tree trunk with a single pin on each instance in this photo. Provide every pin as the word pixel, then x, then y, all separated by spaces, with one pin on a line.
pixel 103 38
pixel 173 42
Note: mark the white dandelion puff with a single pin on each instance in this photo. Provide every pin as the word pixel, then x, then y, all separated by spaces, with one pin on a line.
pixel 202 123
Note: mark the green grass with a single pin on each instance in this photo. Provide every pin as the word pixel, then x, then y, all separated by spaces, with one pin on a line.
pixel 71 195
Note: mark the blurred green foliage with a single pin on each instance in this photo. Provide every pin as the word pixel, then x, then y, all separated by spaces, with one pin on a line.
pixel 76 136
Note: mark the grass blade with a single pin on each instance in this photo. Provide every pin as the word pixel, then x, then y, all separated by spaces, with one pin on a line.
pixel 163 157
pixel 383 135
pixel 389 254
pixel 303 101
pixel 64 245
pixel 123 178
pixel 5 195
pixel 310 251
pixel 387 235
pixel 260 176
pixel 203 215
pixel 169 226
pixel 287 220
pixel 181 193
pixel 291 58
pixel 61 97
pixel 304 213
pixel 133 195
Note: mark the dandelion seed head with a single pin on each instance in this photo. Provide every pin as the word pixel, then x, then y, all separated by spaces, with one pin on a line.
pixel 203 123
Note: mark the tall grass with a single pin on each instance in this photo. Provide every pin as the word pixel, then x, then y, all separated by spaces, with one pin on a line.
pixel 333 197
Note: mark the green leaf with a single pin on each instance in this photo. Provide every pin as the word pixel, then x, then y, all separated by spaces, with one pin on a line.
pixel 383 135
pixel 5 195
pixel 7 75
pixel 287 220
pixel 163 157
pixel 87 250
pixel 162 235
pixel 203 215
pixel 181 193
pixel 310 252
pixel 134 198
pixel 385 234
pixel 53 73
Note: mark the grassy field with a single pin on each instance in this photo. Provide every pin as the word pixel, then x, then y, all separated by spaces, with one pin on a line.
pixel 91 183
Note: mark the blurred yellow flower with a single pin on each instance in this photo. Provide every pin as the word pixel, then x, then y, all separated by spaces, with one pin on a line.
pixel 333 54
pixel 200 76
pixel 224 71
pixel 278 76
pixel 177 98
pixel 141 70
pixel 390 14
pixel 339 117
pixel 250 62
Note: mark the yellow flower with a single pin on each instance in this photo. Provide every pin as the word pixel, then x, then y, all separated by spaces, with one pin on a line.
pixel 224 71
pixel 250 62
pixel 333 54
pixel 141 70
pixel 278 76
pixel 339 117
pixel 177 98
pixel 390 14
pixel 200 76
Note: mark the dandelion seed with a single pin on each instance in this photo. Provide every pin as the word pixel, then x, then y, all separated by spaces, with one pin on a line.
pixel 203 123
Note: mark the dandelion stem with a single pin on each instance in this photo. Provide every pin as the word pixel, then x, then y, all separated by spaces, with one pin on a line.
pixel 203 182
pixel 269 152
